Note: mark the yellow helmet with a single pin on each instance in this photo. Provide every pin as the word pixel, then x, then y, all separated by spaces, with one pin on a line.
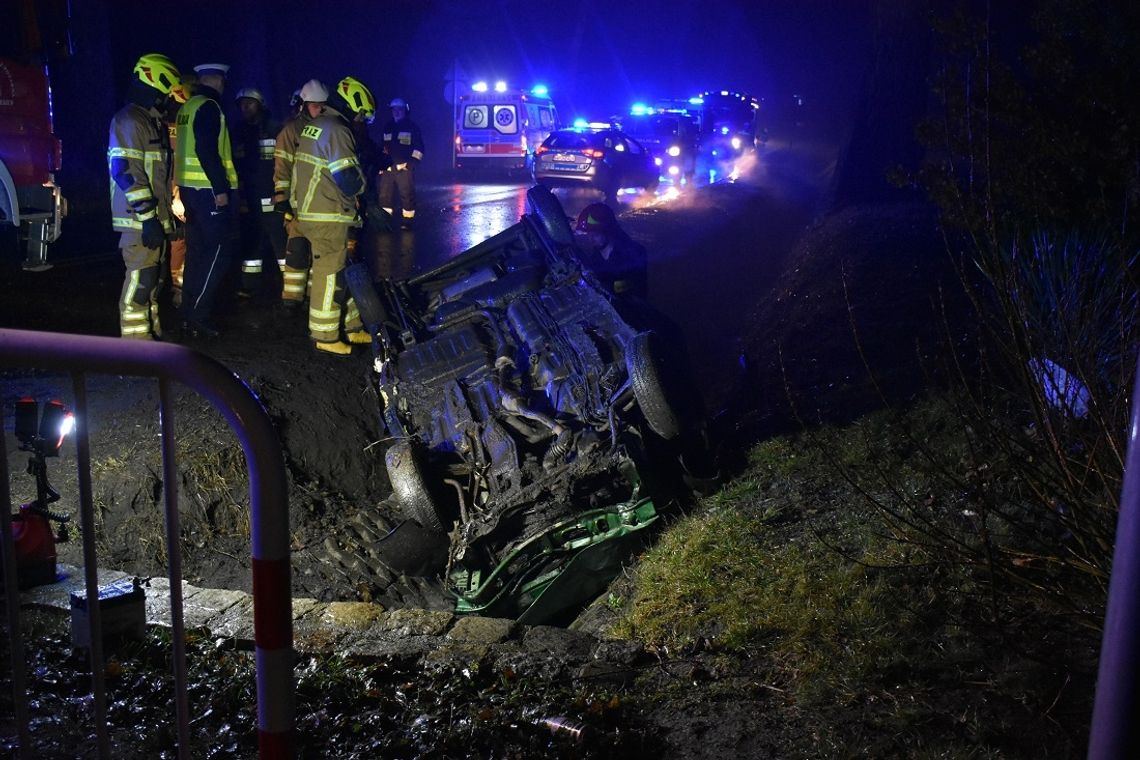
pixel 158 71
pixel 181 92
pixel 358 97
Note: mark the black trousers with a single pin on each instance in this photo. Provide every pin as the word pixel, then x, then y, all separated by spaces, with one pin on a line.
pixel 211 242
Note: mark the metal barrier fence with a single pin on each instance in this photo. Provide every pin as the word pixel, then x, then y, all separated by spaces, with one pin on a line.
pixel 1115 729
pixel 80 356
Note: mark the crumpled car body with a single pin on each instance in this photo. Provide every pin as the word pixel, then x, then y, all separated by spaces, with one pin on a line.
pixel 524 409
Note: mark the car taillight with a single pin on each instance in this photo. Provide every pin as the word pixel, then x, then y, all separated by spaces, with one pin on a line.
pixel 594 153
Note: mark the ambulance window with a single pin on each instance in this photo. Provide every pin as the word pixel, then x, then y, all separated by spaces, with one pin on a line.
pixel 475 117
pixel 506 119
pixel 545 118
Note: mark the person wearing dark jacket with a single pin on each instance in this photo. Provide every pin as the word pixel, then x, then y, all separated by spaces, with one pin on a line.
pixel 404 147
pixel 207 179
pixel 254 138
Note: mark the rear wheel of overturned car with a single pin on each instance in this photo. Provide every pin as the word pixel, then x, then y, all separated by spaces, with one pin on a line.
pixel 408 471
pixel 651 386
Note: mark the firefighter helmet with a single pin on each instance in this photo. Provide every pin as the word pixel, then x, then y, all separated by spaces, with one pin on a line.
pixel 314 91
pixel 597 217
pixel 181 92
pixel 358 97
pixel 158 71
pixel 250 92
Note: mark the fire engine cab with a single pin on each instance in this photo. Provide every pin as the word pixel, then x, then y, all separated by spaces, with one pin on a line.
pixel 498 128
pixel 30 152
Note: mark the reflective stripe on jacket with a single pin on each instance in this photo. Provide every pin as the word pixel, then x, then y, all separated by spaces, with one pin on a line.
pixel 326 147
pixel 284 149
pixel 188 171
pixel 138 159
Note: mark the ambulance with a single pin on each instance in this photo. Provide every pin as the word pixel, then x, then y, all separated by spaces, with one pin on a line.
pixel 498 129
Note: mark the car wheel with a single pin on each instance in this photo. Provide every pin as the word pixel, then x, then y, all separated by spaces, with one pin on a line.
pixel 651 387
pixel 549 211
pixel 408 472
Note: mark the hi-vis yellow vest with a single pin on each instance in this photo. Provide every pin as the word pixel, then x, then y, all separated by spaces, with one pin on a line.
pixel 188 170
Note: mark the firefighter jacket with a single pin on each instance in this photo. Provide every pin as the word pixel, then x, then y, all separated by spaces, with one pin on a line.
pixel 326 172
pixel 403 142
pixel 138 156
pixel 202 158
pixel 284 150
pixel 253 148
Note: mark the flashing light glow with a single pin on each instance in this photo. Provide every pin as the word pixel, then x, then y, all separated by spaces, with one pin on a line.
pixel 500 86
pixel 674 150
pixel 580 123
pixel 66 428
pixel 657 161
pixel 736 143
pixel 674 171
pixel 724 130
pixel 638 109
pixel 479 87
pixel 698 101
pixel 724 92
pixel 599 125
pixel 539 89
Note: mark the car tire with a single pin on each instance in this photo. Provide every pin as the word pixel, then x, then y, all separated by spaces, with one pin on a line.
pixel 651 387
pixel 407 466
pixel 549 211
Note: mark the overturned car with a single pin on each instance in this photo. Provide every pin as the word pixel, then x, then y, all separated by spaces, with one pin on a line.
pixel 536 418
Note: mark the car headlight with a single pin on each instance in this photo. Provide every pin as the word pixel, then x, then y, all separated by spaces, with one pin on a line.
pixel 736 143
pixel 657 161
pixel 674 150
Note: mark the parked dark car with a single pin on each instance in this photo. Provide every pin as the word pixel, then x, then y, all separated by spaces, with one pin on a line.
pixel 603 159
pixel 531 417
pixel 672 138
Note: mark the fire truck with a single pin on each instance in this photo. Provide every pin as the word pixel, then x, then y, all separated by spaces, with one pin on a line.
pixel 499 128
pixel 34 35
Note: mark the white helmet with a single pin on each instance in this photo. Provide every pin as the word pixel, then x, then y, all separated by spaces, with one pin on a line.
pixel 398 103
pixel 314 91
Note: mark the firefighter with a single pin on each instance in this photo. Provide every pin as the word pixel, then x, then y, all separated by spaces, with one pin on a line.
pixel 404 147
pixel 294 264
pixel 206 177
pixel 618 261
pixel 138 157
pixel 325 187
pixel 254 138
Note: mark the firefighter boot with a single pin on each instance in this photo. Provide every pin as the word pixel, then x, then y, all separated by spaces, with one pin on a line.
pixel 336 348
pixel 359 337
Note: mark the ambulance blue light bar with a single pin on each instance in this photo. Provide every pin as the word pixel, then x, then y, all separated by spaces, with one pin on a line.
pixel 500 86
pixel 479 87
pixel 539 89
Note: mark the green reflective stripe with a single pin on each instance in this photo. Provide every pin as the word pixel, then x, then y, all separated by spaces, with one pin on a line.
pixel 327 218
pixel 307 159
pixel 282 185
pixel 124 153
pixel 143 216
pixel 251 267
pixel 142 194
pixel 122 221
pixel 284 155
pixel 343 164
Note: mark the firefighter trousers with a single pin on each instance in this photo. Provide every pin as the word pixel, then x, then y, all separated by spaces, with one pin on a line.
pixel 297 258
pixel 211 237
pixel 404 181
pixel 329 303
pixel 263 252
pixel 138 301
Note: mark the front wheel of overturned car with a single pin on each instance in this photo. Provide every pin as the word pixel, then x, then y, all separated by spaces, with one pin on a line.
pixel 651 387
pixel 408 472
pixel 549 211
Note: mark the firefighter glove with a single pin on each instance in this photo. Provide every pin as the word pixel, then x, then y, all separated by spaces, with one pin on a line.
pixel 153 236
pixel 283 207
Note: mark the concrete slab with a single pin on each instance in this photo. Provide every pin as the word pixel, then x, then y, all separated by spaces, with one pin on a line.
pixel 58 595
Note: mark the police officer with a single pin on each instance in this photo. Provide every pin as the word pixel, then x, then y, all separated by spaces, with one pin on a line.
pixel 138 157
pixel 206 177
pixel 298 253
pixel 254 138
pixel 404 146
pixel 325 186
